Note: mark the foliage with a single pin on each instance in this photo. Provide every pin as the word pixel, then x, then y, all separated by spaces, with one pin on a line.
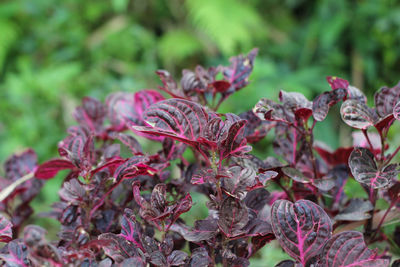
pixel 123 206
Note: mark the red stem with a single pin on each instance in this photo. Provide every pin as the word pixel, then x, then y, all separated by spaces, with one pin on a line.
pixel 392 156
pixel 101 201
pixel 368 140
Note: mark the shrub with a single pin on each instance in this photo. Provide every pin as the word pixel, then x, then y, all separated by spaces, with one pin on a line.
pixel 126 211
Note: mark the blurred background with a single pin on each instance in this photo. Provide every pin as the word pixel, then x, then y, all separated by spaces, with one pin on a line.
pixel 52 53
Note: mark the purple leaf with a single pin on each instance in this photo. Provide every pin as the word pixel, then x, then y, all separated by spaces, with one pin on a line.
pixel 237 74
pixel 323 102
pixel 268 110
pixel 134 261
pixel 49 169
pixel 116 105
pixel 158 197
pixel 73 192
pixel 130 228
pixel 5 229
pixel 233 216
pixel 118 248
pixel 199 258
pixel 183 206
pixel 203 230
pixel 301 228
pixel 144 99
pixel 91 114
pixel 158 259
pixel 364 169
pixel 131 142
pixel 169 84
pixel 356 114
pixel 386 99
pixel 21 164
pixel 239 180
pixel 396 111
pixel 297 103
pixel 357 210
pixel 179 119
pixel 348 249
pixel 255 129
pixel 235 143
pixel 17 254
pixel 296 175
pixel 356 94
pixel 288 263
pixel 177 258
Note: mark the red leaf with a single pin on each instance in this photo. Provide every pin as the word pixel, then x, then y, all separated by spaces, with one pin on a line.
pixel 49 169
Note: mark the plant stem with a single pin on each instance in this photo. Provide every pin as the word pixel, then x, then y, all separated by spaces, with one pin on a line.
pixel 382 220
pixel 101 201
pixel 9 189
pixel 392 156
pixel 367 137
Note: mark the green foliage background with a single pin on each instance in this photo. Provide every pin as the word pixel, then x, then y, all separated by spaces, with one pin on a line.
pixel 52 53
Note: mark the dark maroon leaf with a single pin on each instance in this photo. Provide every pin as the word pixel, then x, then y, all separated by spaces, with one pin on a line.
pixel 383 124
pixel 268 110
pixel 17 255
pixel 357 210
pixel 339 156
pixel 133 167
pixel 386 99
pixel 118 248
pixel 297 103
pixel 233 216
pixel 193 82
pixel 158 259
pixel 199 258
pixel 91 114
pixel 237 74
pixel 73 192
pixel 396 111
pixel 301 228
pixel 203 230
pixel 183 205
pixel 235 143
pixel 135 261
pixel 356 114
pixel 5 229
pixel 21 164
pixel 255 129
pixel 323 102
pixel 257 199
pixel 296 175
pixel 131 142
pixel 221 86
pixel 130 228
pixel 179 119
pixel 239 179
pixel 265 177
pixel 337 83
pixel 177 258
pixel 287 263
pixel 158 197
pixel 169 84
pixel 364 169
pixel 49 169
pixel 349 249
